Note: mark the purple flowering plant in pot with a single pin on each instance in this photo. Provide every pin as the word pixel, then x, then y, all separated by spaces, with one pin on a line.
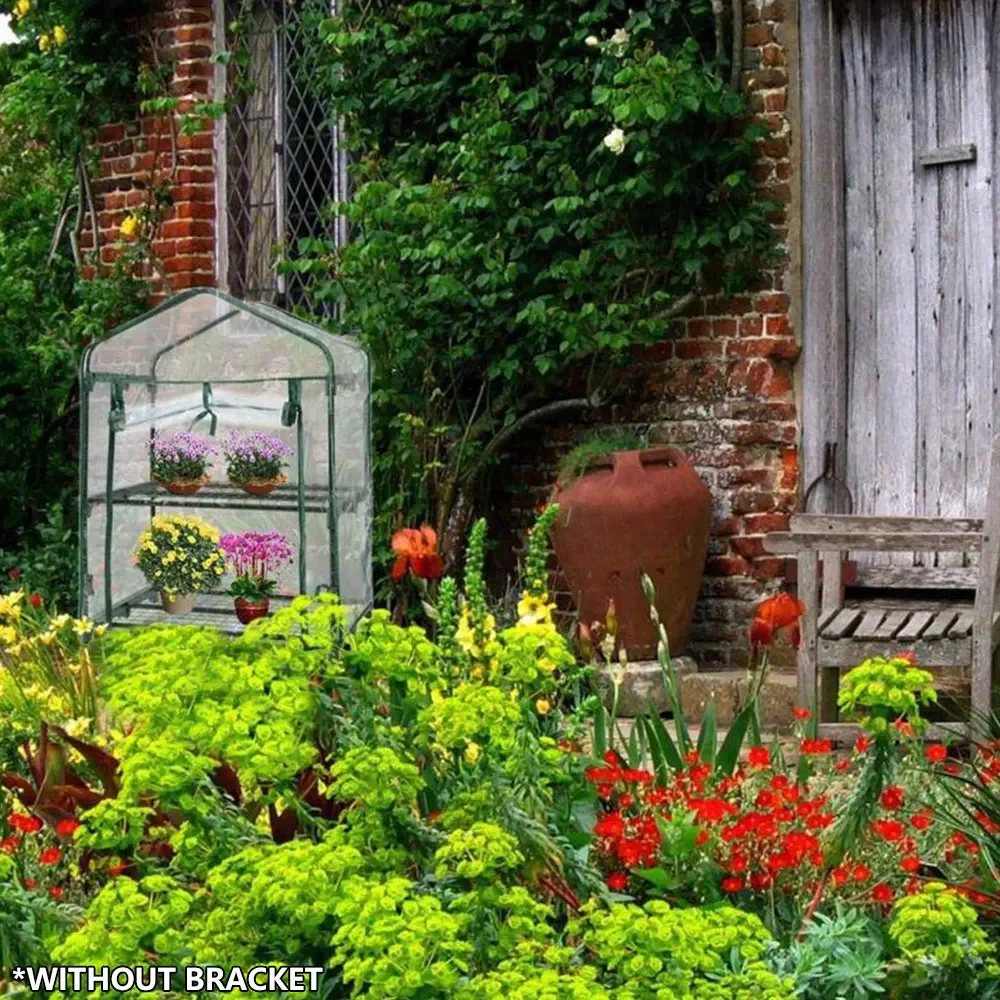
pixel 253 556
pixel 255 461
pixel 180 462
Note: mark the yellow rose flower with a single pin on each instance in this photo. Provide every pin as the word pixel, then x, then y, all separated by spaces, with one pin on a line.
pixel 472 752
pixel 130 228
pixel 23 8
pixel 59 34
pixel 543 707
pixel 45 43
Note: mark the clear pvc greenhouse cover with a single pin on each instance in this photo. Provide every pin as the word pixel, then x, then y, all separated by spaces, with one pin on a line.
pixel 210 365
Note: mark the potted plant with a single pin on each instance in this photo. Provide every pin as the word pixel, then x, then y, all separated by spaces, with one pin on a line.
pixel 626 509
pixel 253 556
pixel 254 462
pixel 180 557
pixel 179 463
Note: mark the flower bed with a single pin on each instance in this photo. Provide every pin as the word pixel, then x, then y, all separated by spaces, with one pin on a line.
pixel 411 811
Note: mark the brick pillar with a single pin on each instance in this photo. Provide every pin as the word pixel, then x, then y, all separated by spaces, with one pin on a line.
pixel 149 149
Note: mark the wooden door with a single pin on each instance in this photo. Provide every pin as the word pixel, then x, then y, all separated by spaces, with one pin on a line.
pixel 920 86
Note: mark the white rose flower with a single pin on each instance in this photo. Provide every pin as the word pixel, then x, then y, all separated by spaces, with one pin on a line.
pixel 615 141
pixel 592 40
pixel 620 38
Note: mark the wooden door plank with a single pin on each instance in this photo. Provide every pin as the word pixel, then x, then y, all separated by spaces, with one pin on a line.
pixel 859 188
pixel 978 127
pixel 891 624
pixel 869 625
pixel 953 329
pixel 919 620
pixel 938 628
pixel 839 524
pixel 963 626
pixel 925 194
pixel 895 267
pixel 841 624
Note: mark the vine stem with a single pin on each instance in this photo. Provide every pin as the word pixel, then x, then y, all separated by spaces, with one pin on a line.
pixel 814 903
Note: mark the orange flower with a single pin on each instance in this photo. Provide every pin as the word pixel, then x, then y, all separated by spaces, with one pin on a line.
pixel 774 615
pixel 416 550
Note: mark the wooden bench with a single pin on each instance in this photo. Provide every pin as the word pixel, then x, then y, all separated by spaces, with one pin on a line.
pixel 944 631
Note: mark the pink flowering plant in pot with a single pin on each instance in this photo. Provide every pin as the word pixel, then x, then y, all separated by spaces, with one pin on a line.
pixel 180 462
pixel 254 556
pixel 255 461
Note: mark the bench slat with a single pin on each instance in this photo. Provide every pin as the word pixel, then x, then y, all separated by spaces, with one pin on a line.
pixel 919 620
pixel 939 627
pixel 868 628
pixel 826 617
pixel 894 621
pixel 840 625
pixel 878 524
pixel 792 542
pixel 962 626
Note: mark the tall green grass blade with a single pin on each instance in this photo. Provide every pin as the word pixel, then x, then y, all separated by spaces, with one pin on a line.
pixel 729 752
pixel 600 731
pixel 672 755
pixel 709 733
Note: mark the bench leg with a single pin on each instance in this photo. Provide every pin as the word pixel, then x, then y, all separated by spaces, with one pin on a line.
pixel 808 587
pixel 984 660
pixel 829 689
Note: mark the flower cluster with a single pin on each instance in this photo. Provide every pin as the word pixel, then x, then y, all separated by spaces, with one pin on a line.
pixel 892 690
pixel 763 831
pixel 180 458
pixel 253 556
pixel 180 555
pixel 32 853
pixel 255 458
pixel 416 552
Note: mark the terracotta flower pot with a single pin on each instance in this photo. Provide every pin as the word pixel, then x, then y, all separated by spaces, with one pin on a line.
pixel 184 487
pixel 179 604
pixel 262 487
pixel 248 611
pixel 631 513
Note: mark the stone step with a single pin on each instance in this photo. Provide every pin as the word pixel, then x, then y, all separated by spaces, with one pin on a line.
pixel 642 684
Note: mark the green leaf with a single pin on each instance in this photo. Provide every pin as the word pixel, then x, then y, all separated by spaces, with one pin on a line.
pixel 663 740
pixel 658 877
pixel 600 730
pixel 656 111
pixel 707 736
pixel 729 752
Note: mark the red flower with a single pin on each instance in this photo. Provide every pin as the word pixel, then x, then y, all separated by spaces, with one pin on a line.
pixel 910 656
pixel 55 892
pixel 26 824
pixel 35 600
pixel 862 744
pixel 889 830
pixel 921 820
pixel 761 881
pixel 801 714
pixel 117 868
pixel 841 766
pixel 50 856
pixel 610 825
pixel 67 827
pixel 712 810
pixel 30 883
pixel 910 865
pixel 951 767
pixel 840 875
pixel 904 728
pixel 861 873
pixel 818 747
pixel 936 753
pixel 618 881
pixel 732 884
pixel 10 844
pixel 14 574
pixel 416 550
pixel 773 615
pixel 691 757
pixel 759 757
pixel 883 893
pixel 892 798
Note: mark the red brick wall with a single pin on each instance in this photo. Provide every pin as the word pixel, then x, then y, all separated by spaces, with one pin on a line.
pixel 723 389
pixel 149 151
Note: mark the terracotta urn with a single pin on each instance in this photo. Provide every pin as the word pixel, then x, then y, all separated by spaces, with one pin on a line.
pixel 177 604
pixel 635 512
pixel 248 611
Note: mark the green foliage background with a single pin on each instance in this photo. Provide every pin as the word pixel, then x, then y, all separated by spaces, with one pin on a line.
pixel 502 257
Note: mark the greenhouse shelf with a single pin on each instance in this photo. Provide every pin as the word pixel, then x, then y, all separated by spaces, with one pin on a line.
pixel 232 498
pixel 212 610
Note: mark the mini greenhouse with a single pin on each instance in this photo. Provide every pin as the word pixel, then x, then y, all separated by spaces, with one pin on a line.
pixel 210 366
